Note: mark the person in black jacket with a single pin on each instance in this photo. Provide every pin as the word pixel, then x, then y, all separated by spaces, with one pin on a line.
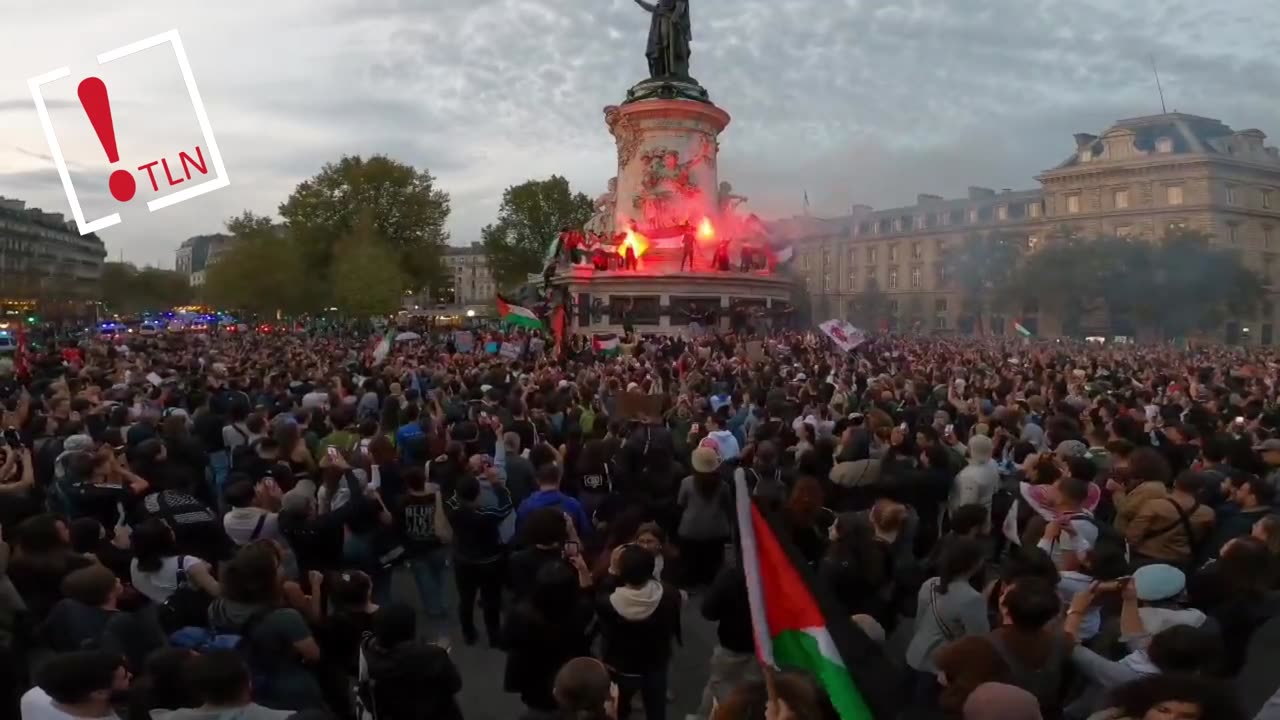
pixel 546 630
pixel 733 661
pixel 315 538
pixel 478 554
pixel 402 678
pixel 639 617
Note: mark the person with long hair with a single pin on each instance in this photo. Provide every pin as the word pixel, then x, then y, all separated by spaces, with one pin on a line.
pixel 253 605
pixel 856 568
pixel 1235 591
pixel 42 557
pixel 801 515
pixel 1172 697
pixel 546 629
pixel 706 520
pixel 159 570
pixel 947 608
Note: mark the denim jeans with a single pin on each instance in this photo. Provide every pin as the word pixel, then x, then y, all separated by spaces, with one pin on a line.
pixel 652 688
pixel 429 575
pixel 220 463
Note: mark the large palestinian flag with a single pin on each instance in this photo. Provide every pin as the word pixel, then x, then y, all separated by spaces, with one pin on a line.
pixel 517 315
pixel 798 628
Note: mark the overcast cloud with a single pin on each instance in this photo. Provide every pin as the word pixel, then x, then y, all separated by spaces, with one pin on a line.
pixel 853 101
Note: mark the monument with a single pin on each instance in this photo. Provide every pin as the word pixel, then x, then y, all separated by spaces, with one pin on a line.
pixel 667 245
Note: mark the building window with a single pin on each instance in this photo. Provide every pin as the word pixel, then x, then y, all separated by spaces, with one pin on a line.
pixel 893 307
pixel 853 256
pixel 1033 209
pixel 1266 237
pixel 940 322
pixel 921 222
pixel 1231 194
pixel 915 278
pixel 1266 198
pixel 1032 241
pixel 940 305
pixel 1002 212
pixel 1124 231
pixel 871 256
pixel 853 282
pixel 1164 145
pixel 826 282
pixel 893 252
pixel 944 218
pixel 973 215
pixel 1173 195
pixel 1233 233
pixel 917 251
pixel 826 259
pixel 1073 203
pixel 1121 198
pixel 893 278
pixel 957 217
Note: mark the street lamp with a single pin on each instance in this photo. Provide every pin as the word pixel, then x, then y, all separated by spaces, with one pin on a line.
pixel 471 313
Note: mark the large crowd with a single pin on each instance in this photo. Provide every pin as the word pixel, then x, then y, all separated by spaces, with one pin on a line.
pixel 209 528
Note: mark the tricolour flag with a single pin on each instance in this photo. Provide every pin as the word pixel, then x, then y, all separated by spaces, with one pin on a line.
pixel 1021 329
pixel 517 315
pixel 606 344
pixel 797 627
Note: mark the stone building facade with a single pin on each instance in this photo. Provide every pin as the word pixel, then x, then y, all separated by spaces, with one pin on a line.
pixel 1138 178
pixel 43 257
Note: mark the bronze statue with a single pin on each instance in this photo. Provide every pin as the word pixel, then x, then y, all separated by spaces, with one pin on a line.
pixel 669 37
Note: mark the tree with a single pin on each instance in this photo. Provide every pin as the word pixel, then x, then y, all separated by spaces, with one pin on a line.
pixel 869 309
pixel 261 272
pixel 126 289
pixel 367 279
pixel 406 210
pixel 530 217
pixel 984 267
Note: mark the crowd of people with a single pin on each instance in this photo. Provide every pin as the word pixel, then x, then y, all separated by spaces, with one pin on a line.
pixel 208 528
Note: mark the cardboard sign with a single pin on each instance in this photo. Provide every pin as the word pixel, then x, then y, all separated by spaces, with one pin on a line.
pixel 755 351
pixel 491 347
pixel 635 405
pixel 511 350
pixel 845 336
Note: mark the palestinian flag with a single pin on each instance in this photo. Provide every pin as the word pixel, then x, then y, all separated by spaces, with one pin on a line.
pixel 607 345
pixel 517 315
pixel 798 628
pixel 1021 329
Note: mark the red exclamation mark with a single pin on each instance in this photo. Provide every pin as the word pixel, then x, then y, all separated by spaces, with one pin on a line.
pixel 93 97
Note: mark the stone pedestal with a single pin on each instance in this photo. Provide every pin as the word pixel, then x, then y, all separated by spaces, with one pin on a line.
pixel 666 163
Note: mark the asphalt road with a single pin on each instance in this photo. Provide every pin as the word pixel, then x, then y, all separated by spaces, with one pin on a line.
pixel 482 696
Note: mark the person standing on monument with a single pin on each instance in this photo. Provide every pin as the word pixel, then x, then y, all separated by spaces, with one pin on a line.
pixel 687 242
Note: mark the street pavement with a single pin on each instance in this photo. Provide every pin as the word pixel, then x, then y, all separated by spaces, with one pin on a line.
pixel 482 696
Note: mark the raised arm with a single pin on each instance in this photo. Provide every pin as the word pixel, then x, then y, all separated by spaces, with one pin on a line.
pixel 649 7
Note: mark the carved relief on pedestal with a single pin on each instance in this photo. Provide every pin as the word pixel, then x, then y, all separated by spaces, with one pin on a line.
pixel 601 221
pixel 668 189
pixel 625 131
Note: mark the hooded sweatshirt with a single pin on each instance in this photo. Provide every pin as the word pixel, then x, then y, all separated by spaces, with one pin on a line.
pixel 638 625
pixel 412 681
pixel 252 711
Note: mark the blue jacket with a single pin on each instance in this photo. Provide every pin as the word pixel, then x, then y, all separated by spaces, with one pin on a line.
pixel 556 499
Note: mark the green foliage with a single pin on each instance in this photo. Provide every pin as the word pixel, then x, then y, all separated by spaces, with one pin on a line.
pixel 261 272
pixel 532 214
pixel 984 269
pixel 126 289
pixel 367 279
pixel 1177 286
pixel 870 308
pixel 407 212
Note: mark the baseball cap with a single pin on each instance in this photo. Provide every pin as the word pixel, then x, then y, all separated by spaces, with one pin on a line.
pixel 1158 582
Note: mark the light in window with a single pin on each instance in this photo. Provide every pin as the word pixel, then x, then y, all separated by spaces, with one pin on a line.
pixel 1173 195
pixel 1073 203
pixel 1121 198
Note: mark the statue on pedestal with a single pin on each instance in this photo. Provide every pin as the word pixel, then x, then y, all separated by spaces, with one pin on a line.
pixel 669 35
pixel 601 222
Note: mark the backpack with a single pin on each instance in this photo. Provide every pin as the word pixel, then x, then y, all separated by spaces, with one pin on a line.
pixel 203 640
pixel 1184 522
pixel 1107 533
pixel 187 606
pixel 1044 683
pixel 771 489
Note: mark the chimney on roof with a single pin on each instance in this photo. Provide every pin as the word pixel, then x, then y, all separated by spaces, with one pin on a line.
pixel 11 204
pixel 1005 191
pixel 979 193
pixel 1084 140
pixel 925 199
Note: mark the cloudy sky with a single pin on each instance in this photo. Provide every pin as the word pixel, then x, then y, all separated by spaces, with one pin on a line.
pixel 853 101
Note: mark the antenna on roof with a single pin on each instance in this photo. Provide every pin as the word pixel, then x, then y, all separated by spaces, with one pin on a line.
pixel 1156 71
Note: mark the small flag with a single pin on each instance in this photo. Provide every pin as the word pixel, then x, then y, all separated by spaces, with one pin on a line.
pixel 797 627
pixel 1021 329
pixel 606 344
pixel 517 315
